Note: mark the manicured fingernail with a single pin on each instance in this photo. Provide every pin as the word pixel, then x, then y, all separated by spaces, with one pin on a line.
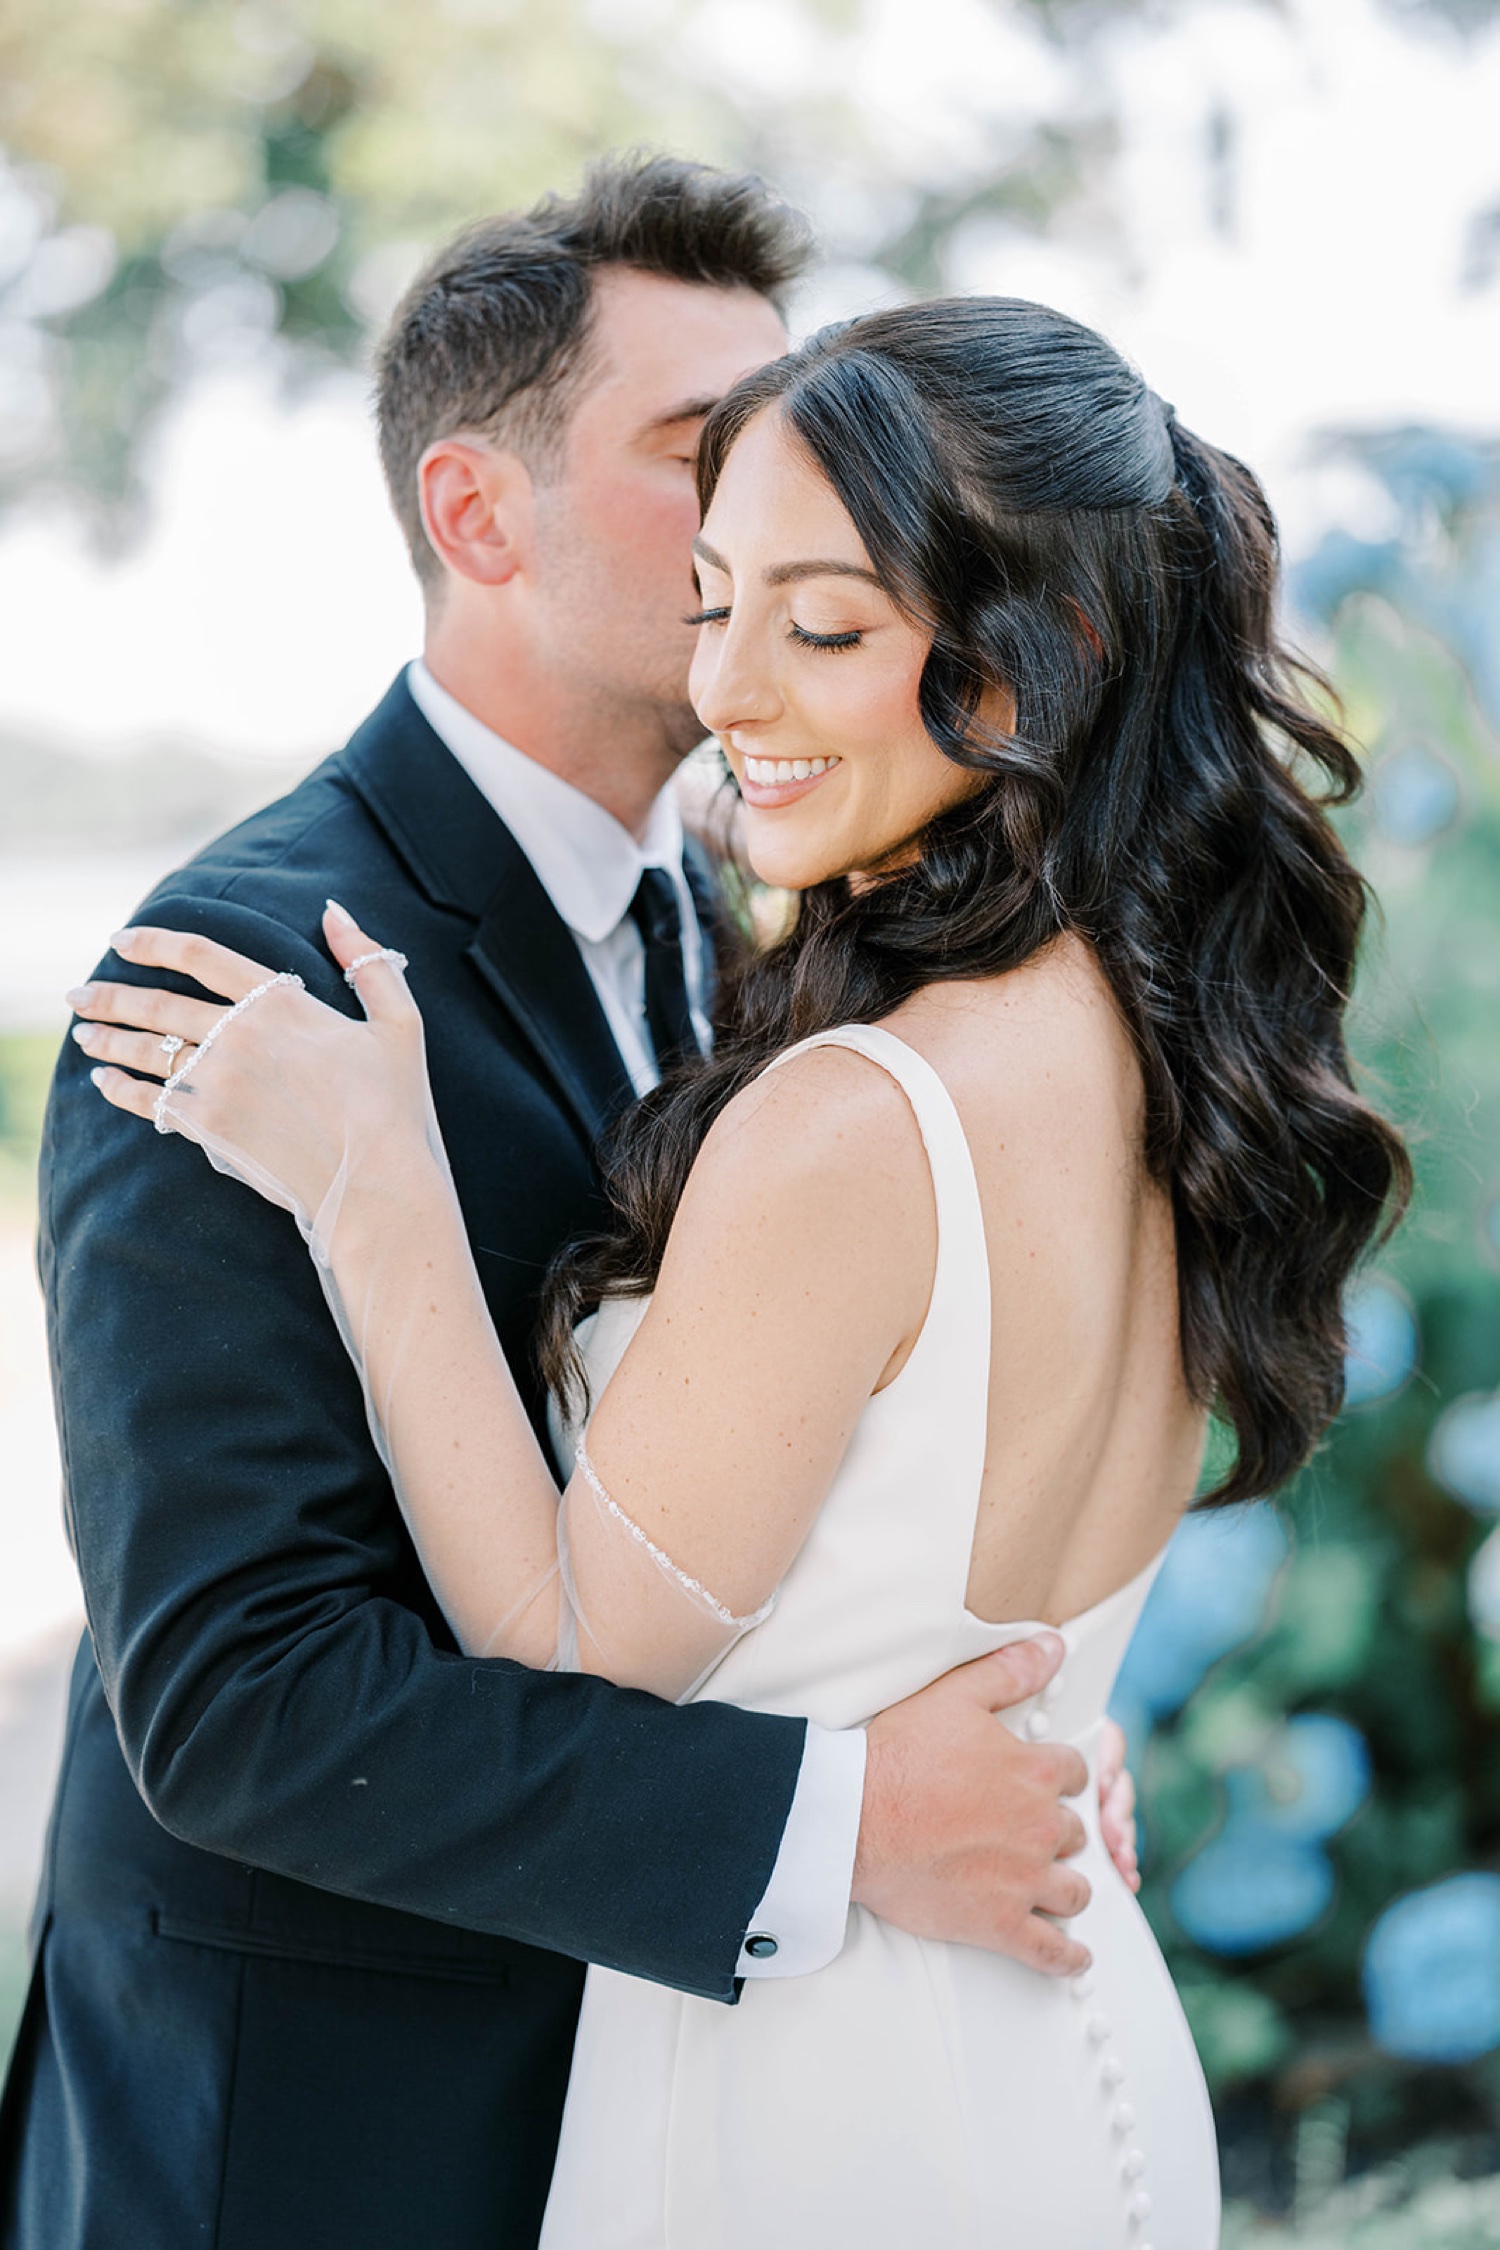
pixel 96 1078
pixel 1049 1644
pixel 121 940
pixel 340 914
pixel 83 1033
pixel 81 996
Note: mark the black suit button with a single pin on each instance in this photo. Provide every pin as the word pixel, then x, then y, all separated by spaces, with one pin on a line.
pixel 760 1947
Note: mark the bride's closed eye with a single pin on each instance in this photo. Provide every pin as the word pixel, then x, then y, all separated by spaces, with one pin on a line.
pixel 795 632
pixel 805 639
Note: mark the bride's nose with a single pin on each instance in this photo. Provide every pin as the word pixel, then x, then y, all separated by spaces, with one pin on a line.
pixel 731 686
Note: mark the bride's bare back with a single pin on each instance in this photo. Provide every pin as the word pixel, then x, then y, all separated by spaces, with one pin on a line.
pixel 1094 1442
pixel 797 1277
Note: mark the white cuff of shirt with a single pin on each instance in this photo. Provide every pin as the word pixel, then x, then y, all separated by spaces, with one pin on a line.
pixel 800 1923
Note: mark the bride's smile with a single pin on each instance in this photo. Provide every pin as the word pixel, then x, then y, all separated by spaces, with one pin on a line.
pixel 807 669
pixel 776 781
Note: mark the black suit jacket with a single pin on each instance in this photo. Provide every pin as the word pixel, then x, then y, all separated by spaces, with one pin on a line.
pixel 318 1886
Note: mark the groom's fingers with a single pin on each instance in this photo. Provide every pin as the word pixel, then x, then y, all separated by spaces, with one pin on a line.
pixel 1064 1772
pixel 1044 1946
pixel 1071 1833
pixel 964 1832
pixel 1011 1674
pixel 1064 1892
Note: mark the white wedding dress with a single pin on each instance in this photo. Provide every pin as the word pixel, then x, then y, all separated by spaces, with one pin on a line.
pixel 912 2095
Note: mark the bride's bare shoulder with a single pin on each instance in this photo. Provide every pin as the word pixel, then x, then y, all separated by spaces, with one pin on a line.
pixel 815 1170
pixel 1048 1033
pixel 826 1110
pixel 808 1152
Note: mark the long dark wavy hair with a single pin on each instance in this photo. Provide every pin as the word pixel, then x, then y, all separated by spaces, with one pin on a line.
pixel 1022 494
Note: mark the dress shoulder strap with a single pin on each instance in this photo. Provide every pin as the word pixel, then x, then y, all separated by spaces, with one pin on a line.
pixel 960 1303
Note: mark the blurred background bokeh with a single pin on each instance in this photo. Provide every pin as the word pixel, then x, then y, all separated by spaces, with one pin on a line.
pixel 1288 211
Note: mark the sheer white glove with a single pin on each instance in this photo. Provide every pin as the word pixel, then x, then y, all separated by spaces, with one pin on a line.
pixel 332 1119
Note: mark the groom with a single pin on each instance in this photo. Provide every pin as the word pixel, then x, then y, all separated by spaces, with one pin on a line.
pixel 318 1888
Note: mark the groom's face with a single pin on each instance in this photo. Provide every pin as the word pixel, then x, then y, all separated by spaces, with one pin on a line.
pixel 615 521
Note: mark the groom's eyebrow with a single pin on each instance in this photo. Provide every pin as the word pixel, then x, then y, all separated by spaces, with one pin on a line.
pixel 790 573
pixel 686 410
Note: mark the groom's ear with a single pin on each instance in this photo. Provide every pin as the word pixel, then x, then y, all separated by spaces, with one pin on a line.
pixel 478 508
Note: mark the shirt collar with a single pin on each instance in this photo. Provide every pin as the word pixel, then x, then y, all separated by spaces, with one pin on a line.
pixel 586 862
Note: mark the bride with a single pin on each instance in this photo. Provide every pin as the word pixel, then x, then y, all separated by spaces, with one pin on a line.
pixel 1034 1142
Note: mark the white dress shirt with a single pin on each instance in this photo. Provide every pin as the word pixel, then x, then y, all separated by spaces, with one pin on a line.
pixel 589 867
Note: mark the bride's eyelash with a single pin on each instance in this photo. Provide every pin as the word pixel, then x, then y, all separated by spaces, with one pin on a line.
pixel 798 633
pixel 804 639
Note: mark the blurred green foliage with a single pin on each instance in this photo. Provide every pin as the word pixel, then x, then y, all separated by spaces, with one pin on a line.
pixel 194 182
pixel 26 1060
pixel 244 172
pixel 1369 1619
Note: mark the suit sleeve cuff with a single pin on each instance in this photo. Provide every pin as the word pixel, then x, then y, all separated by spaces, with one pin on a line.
pixel 800 1923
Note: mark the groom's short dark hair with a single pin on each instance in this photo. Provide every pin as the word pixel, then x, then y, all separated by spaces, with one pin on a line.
pixel 493 335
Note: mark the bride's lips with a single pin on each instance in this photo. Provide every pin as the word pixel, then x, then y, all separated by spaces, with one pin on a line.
pixel 757 791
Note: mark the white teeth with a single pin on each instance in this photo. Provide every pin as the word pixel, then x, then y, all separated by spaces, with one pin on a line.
pixel 768 773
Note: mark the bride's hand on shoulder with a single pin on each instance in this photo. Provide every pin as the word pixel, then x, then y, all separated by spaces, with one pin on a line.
pixel 287 1089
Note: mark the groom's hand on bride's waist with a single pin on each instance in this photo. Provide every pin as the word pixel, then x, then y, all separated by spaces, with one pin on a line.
pixel 964 1832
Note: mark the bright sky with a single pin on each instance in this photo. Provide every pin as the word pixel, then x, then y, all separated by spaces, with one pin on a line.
pixel 1313 278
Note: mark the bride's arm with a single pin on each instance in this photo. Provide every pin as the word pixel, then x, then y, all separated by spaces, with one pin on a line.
pixel 795 1278
pixel 797 1272
pixel 332 1118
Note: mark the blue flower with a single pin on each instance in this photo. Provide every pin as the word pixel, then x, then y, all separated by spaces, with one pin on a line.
pixel 1317 1775
pixel 1210 1595
pixel 1264 1879
pixel 1463 1453
pixel 1382 1340
pixel 1484 1588
pixel 1432 1972
pixel 1251 1888
pixel 1415 794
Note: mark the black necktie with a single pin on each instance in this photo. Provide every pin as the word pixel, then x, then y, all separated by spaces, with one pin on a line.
pixel 654 912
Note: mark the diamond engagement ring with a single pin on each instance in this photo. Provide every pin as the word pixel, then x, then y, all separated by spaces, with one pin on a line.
pixel 180 1075
pixel 381 953
pixel 171 1045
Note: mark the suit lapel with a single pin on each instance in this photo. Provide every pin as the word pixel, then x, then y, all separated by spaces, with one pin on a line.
pixel 464 857
pixel 528 956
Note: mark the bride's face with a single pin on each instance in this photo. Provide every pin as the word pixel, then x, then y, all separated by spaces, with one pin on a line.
pixel 807 672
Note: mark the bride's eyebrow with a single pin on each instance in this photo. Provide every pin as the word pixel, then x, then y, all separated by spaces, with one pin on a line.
pixel 712 557
pixel 790 573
